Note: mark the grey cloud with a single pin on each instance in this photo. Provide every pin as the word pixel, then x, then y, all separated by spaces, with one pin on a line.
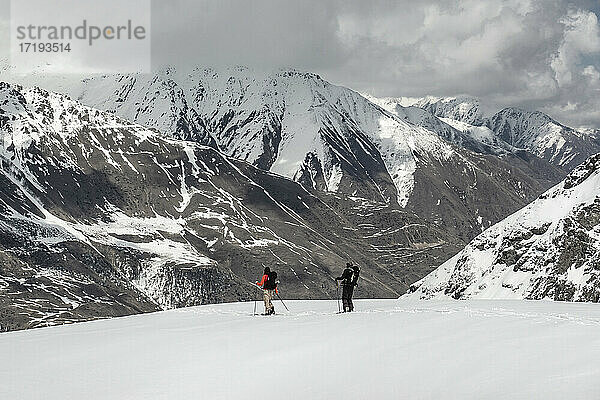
pixel 536 54
pixel 255 33
pixel 532 54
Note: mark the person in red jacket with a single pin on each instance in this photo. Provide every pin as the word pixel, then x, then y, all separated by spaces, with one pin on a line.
pixel 269 285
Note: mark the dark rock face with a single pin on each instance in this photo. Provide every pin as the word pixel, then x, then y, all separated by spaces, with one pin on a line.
pixel 481 194
pixel 100 218
pixel 579 175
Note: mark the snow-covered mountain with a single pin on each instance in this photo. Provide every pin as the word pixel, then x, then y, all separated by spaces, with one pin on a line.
pixel 548 250
pixel 330 138
pixel 102 217
pixel 514 128
pixel 479 139
pixel 541 135
pixel 466 109
pixel 291 123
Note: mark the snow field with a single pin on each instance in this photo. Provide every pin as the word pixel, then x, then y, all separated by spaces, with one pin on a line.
pixel 388 349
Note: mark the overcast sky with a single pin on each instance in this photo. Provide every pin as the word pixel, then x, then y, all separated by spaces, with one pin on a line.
pixel 536 54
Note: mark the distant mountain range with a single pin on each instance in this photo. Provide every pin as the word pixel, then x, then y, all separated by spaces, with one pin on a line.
pixel 145 192
pixel 532 131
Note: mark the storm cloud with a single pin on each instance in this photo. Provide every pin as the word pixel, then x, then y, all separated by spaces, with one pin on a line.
pixel 534 54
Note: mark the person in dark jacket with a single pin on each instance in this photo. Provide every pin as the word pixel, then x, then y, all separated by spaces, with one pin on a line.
pixel 269 285
pixel 348 282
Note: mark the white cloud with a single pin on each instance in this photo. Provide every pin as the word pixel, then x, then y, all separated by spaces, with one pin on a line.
pixel 593 73
pixel 581 37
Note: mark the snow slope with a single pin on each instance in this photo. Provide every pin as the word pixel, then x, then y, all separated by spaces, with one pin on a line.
pixel 389 349
pixel 549 249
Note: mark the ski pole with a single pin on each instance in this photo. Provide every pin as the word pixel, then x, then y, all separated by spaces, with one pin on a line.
pixel 338 296
pixel 254 313
pixel 258 293
pixel 279 297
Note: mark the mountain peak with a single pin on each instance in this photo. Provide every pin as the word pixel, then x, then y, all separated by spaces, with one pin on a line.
pixel 543 136
pixel 463 108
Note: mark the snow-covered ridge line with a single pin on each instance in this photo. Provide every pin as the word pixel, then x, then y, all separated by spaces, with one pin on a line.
pixel 532 131
pixel 541 135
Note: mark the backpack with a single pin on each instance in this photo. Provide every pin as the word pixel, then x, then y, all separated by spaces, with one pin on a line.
pixel 271 282
pixel 356 274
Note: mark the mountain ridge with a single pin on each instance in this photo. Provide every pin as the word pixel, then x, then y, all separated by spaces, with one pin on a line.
pixel 331 138
pixel 533 131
